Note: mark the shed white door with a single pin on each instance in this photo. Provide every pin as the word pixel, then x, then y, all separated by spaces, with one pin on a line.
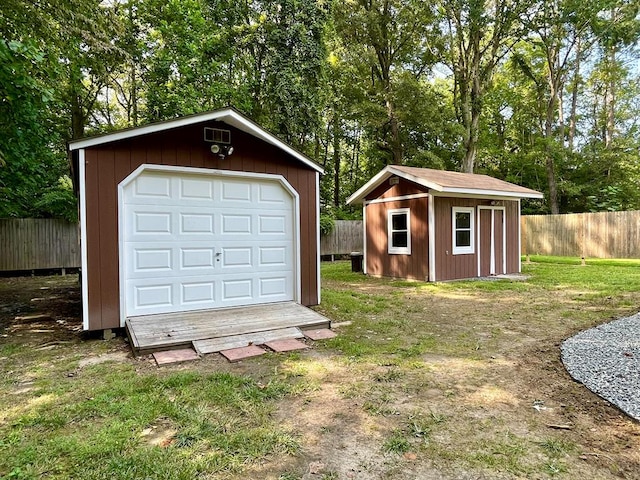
pixel 196 241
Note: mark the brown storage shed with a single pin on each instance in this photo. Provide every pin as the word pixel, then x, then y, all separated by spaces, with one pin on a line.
pixel 435 225
pixel 204 212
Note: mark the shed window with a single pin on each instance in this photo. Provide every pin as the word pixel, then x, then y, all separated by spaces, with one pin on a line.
pixel 463 230
pixel 399 231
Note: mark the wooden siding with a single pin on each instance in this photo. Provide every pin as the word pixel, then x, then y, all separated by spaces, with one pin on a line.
pixel 379 261
pixel 594 235
pixel 403 187
pixel 512 215
pixel 345 238
pixel 106 166
pixel 38 243
pixel 452 267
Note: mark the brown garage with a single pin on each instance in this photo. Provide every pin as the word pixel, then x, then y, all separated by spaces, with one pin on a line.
pixel 203 212
pixel 436 225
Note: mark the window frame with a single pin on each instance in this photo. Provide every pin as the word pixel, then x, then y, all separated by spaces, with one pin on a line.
pixel 465 249
pixel 391 249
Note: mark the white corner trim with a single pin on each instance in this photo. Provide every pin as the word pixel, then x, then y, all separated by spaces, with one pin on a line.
pixel 431 228
pixel 83 239
pixel 211 172
pixel 519 238
pixel 364 239
pixel 504 240
pixel 318 233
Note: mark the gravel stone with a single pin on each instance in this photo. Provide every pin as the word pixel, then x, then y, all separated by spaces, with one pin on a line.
pixel 606 360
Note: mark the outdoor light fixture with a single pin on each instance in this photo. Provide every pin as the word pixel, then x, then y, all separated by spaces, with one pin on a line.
pixel 222 151
pixel 220 140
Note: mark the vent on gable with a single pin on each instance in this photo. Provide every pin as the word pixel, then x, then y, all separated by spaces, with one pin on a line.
pixel 217 135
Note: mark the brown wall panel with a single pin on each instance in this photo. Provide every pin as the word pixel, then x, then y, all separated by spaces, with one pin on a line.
pixel 107 165
pixel 451 267
pixel 108 214
pixel 404 187
pixel 513 229
pixel 448 265
pixel 379 261
pixel 93 274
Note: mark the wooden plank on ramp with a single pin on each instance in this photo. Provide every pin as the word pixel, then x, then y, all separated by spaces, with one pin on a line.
pixel 213 345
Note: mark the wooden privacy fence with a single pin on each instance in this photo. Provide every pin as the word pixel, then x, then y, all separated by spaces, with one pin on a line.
pixel 594 235
pixel 38 243
pixel 345 238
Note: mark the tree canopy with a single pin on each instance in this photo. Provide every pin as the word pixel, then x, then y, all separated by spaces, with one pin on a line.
pixel 543 93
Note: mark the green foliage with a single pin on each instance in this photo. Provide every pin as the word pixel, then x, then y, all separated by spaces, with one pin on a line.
pixel 327 224
pixel 216 423
pixel 354 85
pixel 396 443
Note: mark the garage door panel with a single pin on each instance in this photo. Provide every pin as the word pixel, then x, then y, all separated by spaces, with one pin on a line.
pixel 196 223
pixel 237 257
pixel 234 191
pixel 196 258
pixel 196 189
pixel 150 297
pixel 198 292
pixel 273 195
pixel 151 186
pixel 156 260
pixel 196 242
pixel 235 224
pixel 273 256
pixel 275 286
pixel 272 224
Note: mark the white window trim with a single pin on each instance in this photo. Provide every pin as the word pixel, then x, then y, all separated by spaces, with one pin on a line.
pixel 471 248
pixel 398 250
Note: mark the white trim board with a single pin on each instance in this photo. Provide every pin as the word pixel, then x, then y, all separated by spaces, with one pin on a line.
pixel 434 188
pixel 318 234
pixel 396 199
pixel 83 239
pixel 431 226
pixel 492 264
pixel 228 116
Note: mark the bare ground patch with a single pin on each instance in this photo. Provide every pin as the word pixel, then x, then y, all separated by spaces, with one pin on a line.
pixel 446 382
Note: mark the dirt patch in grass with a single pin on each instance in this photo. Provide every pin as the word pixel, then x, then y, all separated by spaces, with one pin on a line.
pixel 450 381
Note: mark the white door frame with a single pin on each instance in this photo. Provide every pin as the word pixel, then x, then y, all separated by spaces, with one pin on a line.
pixel 492 249
pixel 204 171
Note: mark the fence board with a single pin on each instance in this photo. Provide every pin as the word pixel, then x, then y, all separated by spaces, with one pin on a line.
pixel 593 235
pixel 38 243
pixel 345 238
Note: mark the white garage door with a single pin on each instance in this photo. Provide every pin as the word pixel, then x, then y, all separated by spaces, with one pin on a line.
pixel 194 241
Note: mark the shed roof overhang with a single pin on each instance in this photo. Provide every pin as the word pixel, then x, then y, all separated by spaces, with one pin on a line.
pixel 230 116
pixel 444 183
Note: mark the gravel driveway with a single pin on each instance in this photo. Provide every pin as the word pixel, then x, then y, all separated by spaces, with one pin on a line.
pixel 606 359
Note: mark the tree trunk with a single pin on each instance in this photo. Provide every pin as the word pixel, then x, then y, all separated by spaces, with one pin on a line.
pixel 336 161
pixel 549 162
pixel 396 142
pixel 574 97
pixel 77 117
pixel 610 98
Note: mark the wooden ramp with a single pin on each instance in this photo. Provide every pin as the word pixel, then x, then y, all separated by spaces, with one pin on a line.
pixel 213 330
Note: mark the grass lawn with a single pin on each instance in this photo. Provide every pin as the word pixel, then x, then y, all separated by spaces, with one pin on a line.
pixel 452 380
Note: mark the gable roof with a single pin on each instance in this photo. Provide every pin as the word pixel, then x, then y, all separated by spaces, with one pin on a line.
pixel 442 181
pixel 230 116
